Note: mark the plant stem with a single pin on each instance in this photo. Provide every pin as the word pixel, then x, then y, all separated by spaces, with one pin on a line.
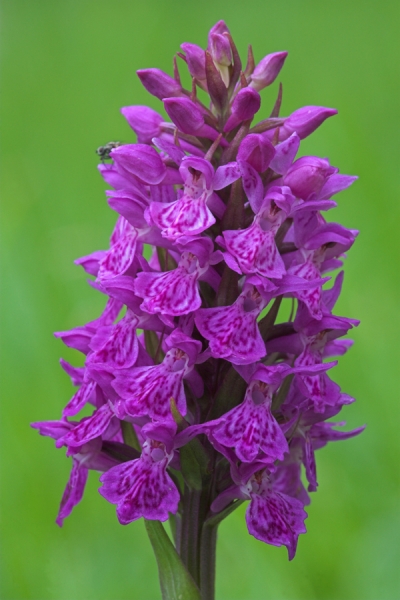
pixel 190 542
pixel 208 554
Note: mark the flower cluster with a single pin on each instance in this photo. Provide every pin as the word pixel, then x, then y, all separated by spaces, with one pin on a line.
pixel 197 380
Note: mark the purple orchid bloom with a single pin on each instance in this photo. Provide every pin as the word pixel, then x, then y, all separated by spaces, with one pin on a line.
pixel 142 487
pixel 190 215
pixel 204 392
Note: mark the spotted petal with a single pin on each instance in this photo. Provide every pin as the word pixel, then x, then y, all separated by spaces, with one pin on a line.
pixel 250 428
pixel 255 251
pixel 172 293
pixel 119 257
pixel 141 488
pixel 80 398
pixel 276 519
pixel 121 348
pixel 233 333
pixel 73 491
pixel 148 390
pixel 187 216
pixel 89 428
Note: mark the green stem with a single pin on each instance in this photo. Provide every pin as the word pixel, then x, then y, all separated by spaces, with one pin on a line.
pixel 189 547
pixel 208 555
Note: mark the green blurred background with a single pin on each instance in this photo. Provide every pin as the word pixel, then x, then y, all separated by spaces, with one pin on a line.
pixel 67 68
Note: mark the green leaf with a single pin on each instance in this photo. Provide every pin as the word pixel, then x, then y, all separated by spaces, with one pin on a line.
pixel 175 581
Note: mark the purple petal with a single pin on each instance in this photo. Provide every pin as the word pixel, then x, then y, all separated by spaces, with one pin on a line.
pixel 73 492
pixel 196 60
pixel 80 398
pixel 305 120
pixel 76 373
pixel 285 153
pixel 257 151
pixel 53 429
pixel 276 519
pixel 249 429
pixel 141 488
pixel 130 205
pixel 144 121
pixel 140 160
pixel 91 262
pixel 121 348
pixel 252 186
pixel 255 250
pixel 89 427
pixel 187 216
pixel 225 175
pixel 336 183
pixel 153 496
pixel 173 293
pixel 77 338
pixel 233 333
pixel 119 257
pixel 186 115
pixel 148 390
pixel 173 151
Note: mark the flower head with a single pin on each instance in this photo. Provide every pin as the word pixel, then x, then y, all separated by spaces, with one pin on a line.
pixel 196 383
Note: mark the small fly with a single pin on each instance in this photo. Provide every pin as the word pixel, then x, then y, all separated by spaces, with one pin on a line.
pixel 104 151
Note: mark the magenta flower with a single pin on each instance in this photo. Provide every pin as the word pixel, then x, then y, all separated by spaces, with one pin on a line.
pixel 198 396
pixel 142 487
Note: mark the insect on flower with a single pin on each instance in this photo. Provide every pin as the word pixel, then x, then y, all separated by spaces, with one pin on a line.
pixel 104 151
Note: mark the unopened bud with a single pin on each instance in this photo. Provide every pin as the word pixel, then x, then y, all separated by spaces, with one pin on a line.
pixel 305 120
pixel 245 105
pixel 220 50
pixel 196 60
pixel 256 150
pixel 220 27
pixel 158 83
pixel 185 114
pixel 267 70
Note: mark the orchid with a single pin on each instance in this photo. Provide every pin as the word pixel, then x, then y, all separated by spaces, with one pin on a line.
pixel 202 396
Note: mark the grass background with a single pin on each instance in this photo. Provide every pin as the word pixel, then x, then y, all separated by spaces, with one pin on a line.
pixel 67 68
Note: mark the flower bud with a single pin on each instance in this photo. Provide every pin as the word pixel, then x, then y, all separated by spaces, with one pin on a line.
pixel 267 70
pixel 256 150
pixel 308 175
pixel 158 83
pixel 220 49
pixel 219 28
pixel 144 121
pixel 196 60
pixel 185 114
pixel 305 120
pixel 244 107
